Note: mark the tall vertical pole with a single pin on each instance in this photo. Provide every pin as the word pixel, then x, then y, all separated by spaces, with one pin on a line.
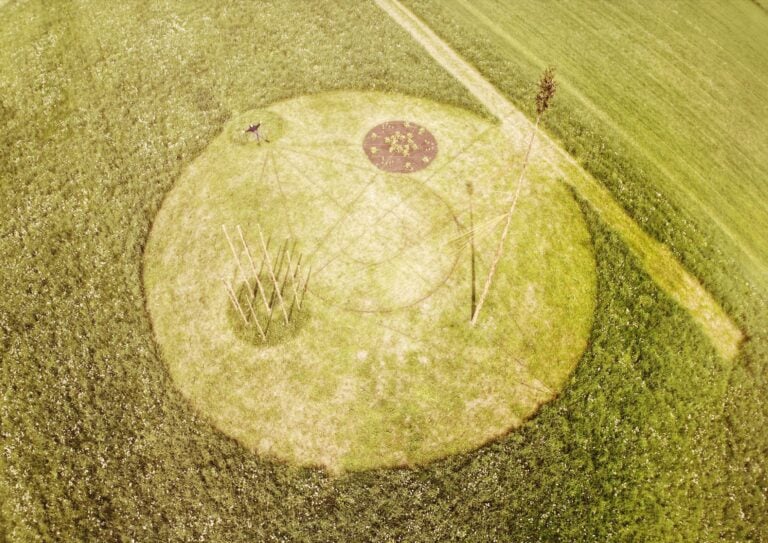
pixel 473 295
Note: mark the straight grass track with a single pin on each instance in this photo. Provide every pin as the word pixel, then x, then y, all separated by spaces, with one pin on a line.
pixel 658 260
pixel 710 177
pixel 665 104
pixel 681 86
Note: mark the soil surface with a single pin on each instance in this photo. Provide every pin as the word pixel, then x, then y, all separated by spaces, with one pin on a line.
pixel 400 147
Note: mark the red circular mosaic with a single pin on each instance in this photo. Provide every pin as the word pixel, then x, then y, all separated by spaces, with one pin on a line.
pixel 400 146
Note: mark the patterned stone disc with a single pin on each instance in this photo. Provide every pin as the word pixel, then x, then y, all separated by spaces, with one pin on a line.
pixel 400 146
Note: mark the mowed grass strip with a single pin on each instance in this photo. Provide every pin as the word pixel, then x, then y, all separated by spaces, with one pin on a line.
pixel 677 88
pixel 658 260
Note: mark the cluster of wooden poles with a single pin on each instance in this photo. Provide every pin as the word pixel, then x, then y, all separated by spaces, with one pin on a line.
pixel 278 283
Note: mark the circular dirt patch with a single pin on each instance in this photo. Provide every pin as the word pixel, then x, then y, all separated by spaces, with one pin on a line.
pixel 400 146
pixel 384 368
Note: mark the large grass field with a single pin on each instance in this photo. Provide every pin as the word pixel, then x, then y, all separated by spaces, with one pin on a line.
pixel 677 88
pixel 116 116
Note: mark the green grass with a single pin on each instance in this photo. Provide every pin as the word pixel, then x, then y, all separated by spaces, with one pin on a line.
pixel 665 105
pixel 678 88
pixel 657 259
pixel 386 369
pixel 103 106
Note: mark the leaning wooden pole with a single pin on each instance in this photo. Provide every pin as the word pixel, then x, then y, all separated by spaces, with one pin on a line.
pixel 256 274
pixel 306 284
pixel 234 254
pixel 263 260
pixel 263 293
pixel 255 318
pixel 250 258
pixel 293 277
pixel 269 318
pixel 272 276
pixel 505 232
pixel 284 282
pixel 473 278
pixel 233 299
pixel 280 259
pixel 547 87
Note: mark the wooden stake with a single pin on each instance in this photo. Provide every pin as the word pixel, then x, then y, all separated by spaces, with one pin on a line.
pixel 278 269
pixel 263 260
pixel 293 280
pixel 285 279
pixel 233 298
pixel 259 285
pixel 473 295
pixel 263 293
pixel 234 254
pixel 272 296
pixel 304 290
pixel 280 259
pixel 290 311
pixel 293 287
pixel 505 232
pixel 272 275
pixel 256 318
pixel 247 253
pixel 269 318
pixel 287 259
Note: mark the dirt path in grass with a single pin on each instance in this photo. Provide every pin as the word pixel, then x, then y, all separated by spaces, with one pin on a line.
pixel 658 261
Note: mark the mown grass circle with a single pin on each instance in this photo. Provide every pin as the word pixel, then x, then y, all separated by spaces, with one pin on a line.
pixel 270 129
pixel 384 369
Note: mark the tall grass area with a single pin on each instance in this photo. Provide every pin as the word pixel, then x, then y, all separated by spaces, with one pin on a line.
pixel 101 108
pixel 667 105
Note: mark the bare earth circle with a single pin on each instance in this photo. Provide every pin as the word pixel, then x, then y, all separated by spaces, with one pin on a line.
pixel 400 147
